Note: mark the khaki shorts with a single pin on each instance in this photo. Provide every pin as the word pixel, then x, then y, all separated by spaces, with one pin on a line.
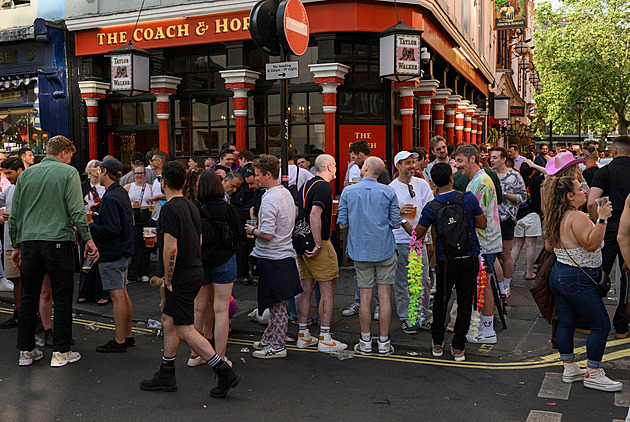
pixel 381 272
pixel 323 267
pixel 10 271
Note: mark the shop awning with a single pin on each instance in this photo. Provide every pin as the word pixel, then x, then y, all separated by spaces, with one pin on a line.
pixel 8 82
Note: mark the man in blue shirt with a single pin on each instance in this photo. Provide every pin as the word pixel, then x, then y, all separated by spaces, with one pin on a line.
pixel 370 211
pixel 460 272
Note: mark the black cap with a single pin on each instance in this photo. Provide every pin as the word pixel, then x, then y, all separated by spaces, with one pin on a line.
pixel 112 165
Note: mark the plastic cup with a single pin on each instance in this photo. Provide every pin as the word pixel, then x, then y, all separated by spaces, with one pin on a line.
pixel 135 204
pixel 87 263
pixel 600 201
pixel 89 217
pixel 355 180
pixel 150 235
pixel 151 207
pixel 412 214
pixel 252 222
pixel 335 206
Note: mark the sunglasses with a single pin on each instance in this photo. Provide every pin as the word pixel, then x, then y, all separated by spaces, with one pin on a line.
pixel 139 174
pixel 411 192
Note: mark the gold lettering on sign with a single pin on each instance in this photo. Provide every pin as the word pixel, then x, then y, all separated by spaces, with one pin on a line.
pixel 170 31
pixel 362 135
pixel 372 145
pixel 137 35
pixel 221 25
pixel 182 31
pixel 159 33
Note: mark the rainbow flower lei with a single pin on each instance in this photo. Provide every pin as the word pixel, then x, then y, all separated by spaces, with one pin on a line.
pixel 415 314
pixel 482 280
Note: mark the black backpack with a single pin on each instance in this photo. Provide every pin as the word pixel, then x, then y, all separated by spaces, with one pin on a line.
pixel 451 226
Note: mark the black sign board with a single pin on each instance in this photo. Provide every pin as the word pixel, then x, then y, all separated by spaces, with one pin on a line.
pixel 517 111
pixel 8 56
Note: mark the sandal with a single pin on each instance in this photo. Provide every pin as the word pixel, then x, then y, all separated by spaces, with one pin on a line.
pixel 81 300
pixel 102 302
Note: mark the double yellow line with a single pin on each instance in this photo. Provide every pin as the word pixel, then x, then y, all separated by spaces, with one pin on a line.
pixel 549 360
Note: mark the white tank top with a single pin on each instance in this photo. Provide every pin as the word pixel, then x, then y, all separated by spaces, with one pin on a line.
pixel 135 194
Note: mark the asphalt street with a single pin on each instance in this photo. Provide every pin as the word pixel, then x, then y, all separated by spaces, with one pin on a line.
pixel 306 385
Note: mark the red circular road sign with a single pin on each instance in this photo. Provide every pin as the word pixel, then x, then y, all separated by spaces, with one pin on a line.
pixel 293 28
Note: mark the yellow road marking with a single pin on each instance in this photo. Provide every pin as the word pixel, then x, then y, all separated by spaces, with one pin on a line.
pixel 540 362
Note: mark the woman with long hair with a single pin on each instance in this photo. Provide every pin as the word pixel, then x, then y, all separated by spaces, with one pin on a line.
pixel 139 192
pixel 221 230
pixel 577 244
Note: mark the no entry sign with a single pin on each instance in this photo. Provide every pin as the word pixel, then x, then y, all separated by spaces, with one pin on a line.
pixel 292 25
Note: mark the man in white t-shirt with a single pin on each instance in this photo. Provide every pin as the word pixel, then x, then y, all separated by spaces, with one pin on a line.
pixel 157 162
pixel 413 194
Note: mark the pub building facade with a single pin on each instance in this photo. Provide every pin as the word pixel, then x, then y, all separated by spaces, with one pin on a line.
pixel 208 81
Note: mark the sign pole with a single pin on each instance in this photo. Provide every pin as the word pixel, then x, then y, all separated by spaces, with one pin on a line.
pixel 284 122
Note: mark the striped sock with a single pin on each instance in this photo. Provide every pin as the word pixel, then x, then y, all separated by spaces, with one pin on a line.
pixel 215 361
pixel 168 362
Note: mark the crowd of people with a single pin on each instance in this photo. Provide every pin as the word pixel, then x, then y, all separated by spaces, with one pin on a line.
pixel 216 222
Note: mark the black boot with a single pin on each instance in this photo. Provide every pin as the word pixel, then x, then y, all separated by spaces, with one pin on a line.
pixel 163 380
pixel 12 322
pixel 228 378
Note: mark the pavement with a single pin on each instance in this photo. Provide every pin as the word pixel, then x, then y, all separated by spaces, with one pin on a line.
pixel 527 337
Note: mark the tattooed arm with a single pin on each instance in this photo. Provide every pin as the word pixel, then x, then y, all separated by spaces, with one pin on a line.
pixel 169 257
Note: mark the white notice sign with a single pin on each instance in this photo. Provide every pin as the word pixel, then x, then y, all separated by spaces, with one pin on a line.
pixel 282 70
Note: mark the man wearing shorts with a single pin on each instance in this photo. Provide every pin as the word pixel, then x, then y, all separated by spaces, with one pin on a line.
pixel 112 231
pixel 179 227
pixel 274 257
pixel 514 194
pixel 370 211
pixel 12 168
pixel 320 264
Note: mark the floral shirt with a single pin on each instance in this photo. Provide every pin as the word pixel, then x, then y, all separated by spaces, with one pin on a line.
pixel 489 238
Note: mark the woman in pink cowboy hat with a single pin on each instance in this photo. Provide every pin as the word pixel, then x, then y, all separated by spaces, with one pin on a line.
pixel 563 164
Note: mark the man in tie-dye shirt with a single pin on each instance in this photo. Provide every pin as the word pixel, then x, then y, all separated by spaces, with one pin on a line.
pixel 466 159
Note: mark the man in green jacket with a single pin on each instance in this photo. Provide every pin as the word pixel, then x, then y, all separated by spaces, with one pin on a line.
pixel 47 206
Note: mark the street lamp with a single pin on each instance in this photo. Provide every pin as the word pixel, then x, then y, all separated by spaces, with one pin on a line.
pixel 579 104
pixel 130 70
pixel 502 109
pixel 400 52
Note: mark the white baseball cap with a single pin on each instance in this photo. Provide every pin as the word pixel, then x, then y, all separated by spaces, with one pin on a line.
pixel 403 155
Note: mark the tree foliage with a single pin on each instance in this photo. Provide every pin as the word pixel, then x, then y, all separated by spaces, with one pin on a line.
pixel 582 52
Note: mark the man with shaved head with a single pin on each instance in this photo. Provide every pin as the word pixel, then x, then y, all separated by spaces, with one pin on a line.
pixel 370 211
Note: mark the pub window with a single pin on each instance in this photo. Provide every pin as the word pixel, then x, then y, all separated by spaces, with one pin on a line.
pixel 363 60
pixel 19 120
pixel 360 104
pixel 199 72
pixel 131 126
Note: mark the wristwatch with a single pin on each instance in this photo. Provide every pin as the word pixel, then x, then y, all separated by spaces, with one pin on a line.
pixel 602 221
pixel 403 221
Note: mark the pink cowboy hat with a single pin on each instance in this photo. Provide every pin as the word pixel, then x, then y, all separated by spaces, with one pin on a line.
pixel 562 161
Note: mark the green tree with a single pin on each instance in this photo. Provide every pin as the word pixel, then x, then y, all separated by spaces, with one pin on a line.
pixel 582 52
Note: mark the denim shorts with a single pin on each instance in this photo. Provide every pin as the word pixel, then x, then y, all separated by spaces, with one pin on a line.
pixel 223 274
pixel 114 274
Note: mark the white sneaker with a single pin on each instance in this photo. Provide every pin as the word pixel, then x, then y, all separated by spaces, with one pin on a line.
pixel 596 378
pixel 458 355
pixel 5 285
pixel 269 353
pixel 507 291
pixel 229 362
pixel 327 344
pixel 62 359
pixel 483 338
pixel 27 358
pixel 352 309
pixel 572 373
pixel 437 350
pixel 259 345
pixel 194 361
pixel 376 313
pixel 305 340
pixel 363 347
pixel 385 349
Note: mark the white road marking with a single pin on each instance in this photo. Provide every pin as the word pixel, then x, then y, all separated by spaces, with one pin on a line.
pixel 543 416
pixel 553 388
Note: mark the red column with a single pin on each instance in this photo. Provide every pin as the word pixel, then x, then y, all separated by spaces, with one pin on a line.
pixel 163 87
pixel 426 92
pixel 439 101
pixel 479 115
pixel 449 118
pixel 240 81
pixel 91 92
pixel 406 90
pixel 468 115
pixel 329 76
pixel 461 109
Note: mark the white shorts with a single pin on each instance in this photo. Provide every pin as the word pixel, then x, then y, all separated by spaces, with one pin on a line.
pixel 528 226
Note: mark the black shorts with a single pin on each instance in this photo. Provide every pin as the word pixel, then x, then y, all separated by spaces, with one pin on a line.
pixel 180 303
pixel 507 229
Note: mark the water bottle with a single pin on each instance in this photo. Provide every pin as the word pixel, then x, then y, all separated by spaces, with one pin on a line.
pixel 91 327
pixel 154 325
pixel 343 354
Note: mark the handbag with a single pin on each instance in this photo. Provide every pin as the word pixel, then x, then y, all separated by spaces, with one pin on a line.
pixel 540 290
pixel 302 235
pixel 602 285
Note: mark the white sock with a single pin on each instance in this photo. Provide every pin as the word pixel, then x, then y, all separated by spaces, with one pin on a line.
pixel 487 324
pixel 384 339
pixel 506 282
pixel 366 337
pixel 324 332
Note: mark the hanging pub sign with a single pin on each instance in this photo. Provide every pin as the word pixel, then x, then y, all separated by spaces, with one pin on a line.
pixel 130 70
pixel 510 14
pixel 399 57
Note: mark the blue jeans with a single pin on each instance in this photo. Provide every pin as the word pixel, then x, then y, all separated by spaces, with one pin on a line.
pixel 575 297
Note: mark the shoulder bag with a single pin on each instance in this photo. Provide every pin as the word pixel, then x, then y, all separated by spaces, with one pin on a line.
pixel 602 285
